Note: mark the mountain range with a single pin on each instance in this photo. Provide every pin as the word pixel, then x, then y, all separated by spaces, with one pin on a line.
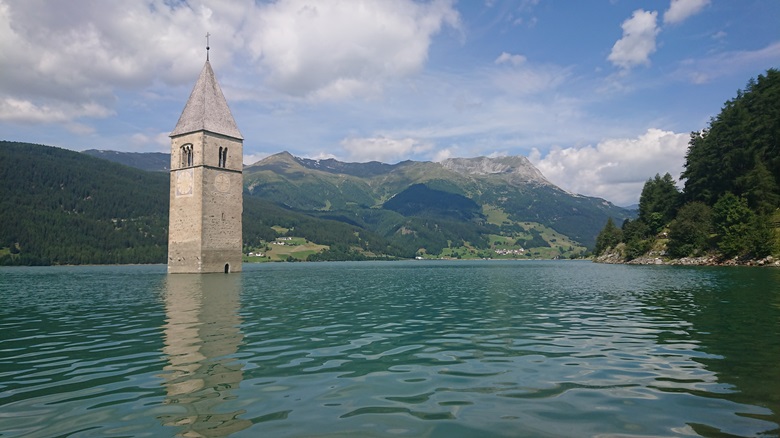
pixel 511 185
pixel 363 194
pixel 469 190
pixel 61 206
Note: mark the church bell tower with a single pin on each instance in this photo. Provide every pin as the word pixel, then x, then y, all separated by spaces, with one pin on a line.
pixel 204 229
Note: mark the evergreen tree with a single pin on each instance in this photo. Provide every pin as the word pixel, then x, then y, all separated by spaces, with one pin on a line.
pixel 762 237
pixel 743 138
pixel 689 232
pixel 609 237
pixel 733 221
pixel 636 235
pixel 760 188
pixel 658 202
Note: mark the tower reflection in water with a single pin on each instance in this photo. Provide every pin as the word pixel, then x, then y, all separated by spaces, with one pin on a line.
pixel 201 335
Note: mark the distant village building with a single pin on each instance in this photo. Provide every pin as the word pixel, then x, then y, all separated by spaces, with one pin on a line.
pixel 204 231
pixel 503 251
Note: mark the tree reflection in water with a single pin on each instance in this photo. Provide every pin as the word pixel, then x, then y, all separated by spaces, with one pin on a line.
pixel 201 335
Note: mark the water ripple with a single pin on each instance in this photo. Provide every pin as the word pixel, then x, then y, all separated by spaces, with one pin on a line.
pixel 396 349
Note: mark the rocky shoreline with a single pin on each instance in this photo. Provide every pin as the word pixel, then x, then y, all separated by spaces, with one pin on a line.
pixel 710 260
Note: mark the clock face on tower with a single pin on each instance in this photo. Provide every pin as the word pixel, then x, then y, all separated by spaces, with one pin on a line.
pixel 184 182
pixel 222 183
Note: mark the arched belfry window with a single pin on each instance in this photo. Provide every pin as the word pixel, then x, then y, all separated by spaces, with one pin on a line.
pixel 222 162
pixel 186 155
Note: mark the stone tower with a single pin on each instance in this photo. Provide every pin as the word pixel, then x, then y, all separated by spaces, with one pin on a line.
pixel 204 229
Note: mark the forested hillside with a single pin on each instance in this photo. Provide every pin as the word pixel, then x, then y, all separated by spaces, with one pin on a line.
pixel 740 151
pixel 63 207
pixel 728 207
pixel 59 206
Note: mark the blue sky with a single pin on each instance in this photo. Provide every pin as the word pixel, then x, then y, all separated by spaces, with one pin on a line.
pixel 600 95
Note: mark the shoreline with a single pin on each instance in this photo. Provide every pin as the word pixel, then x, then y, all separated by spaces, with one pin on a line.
pixel 710 260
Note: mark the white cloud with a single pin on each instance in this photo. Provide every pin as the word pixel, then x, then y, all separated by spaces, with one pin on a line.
pixel 148 142
pixel 25 111
pixel 509 58
pixel 384 149
pixel 250 159
pixel 17 110
pixel 724 64
pixel 56 41
pixel 139 139
pixel 85 53
pixel 681 10
pixel 515 75
pixel 332 50
pixel 529 79
pixel 638 41
pixel 78 53
pixel 443 154
pixel 321 156
pixel 615 169
pixel 80 128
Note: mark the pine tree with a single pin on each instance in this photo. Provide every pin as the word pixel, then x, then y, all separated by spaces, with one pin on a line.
pixel 658 202
pixel 760 189
pixel 732 220
pixel 689 232
pixel 742 139
pixel 609 237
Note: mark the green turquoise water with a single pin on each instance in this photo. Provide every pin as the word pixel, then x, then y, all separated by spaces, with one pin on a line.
pixel 398 349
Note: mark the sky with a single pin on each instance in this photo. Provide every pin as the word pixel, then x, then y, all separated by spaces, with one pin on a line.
pixel 600 95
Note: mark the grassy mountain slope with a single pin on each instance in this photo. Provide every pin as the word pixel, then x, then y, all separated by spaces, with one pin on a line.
pixel 282 179
pixel 509 184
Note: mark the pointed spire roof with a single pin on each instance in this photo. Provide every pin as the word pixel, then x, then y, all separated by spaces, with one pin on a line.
pixel 207 109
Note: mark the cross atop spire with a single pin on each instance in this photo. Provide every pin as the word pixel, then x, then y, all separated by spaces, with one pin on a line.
pixel 207 46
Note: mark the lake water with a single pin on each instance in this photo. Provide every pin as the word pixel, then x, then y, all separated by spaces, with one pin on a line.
pixel 396 349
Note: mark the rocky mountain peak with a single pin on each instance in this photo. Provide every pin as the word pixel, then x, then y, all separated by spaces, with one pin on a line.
pixel 515 167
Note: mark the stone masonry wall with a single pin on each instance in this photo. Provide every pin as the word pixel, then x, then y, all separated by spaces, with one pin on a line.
pixel 205 226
